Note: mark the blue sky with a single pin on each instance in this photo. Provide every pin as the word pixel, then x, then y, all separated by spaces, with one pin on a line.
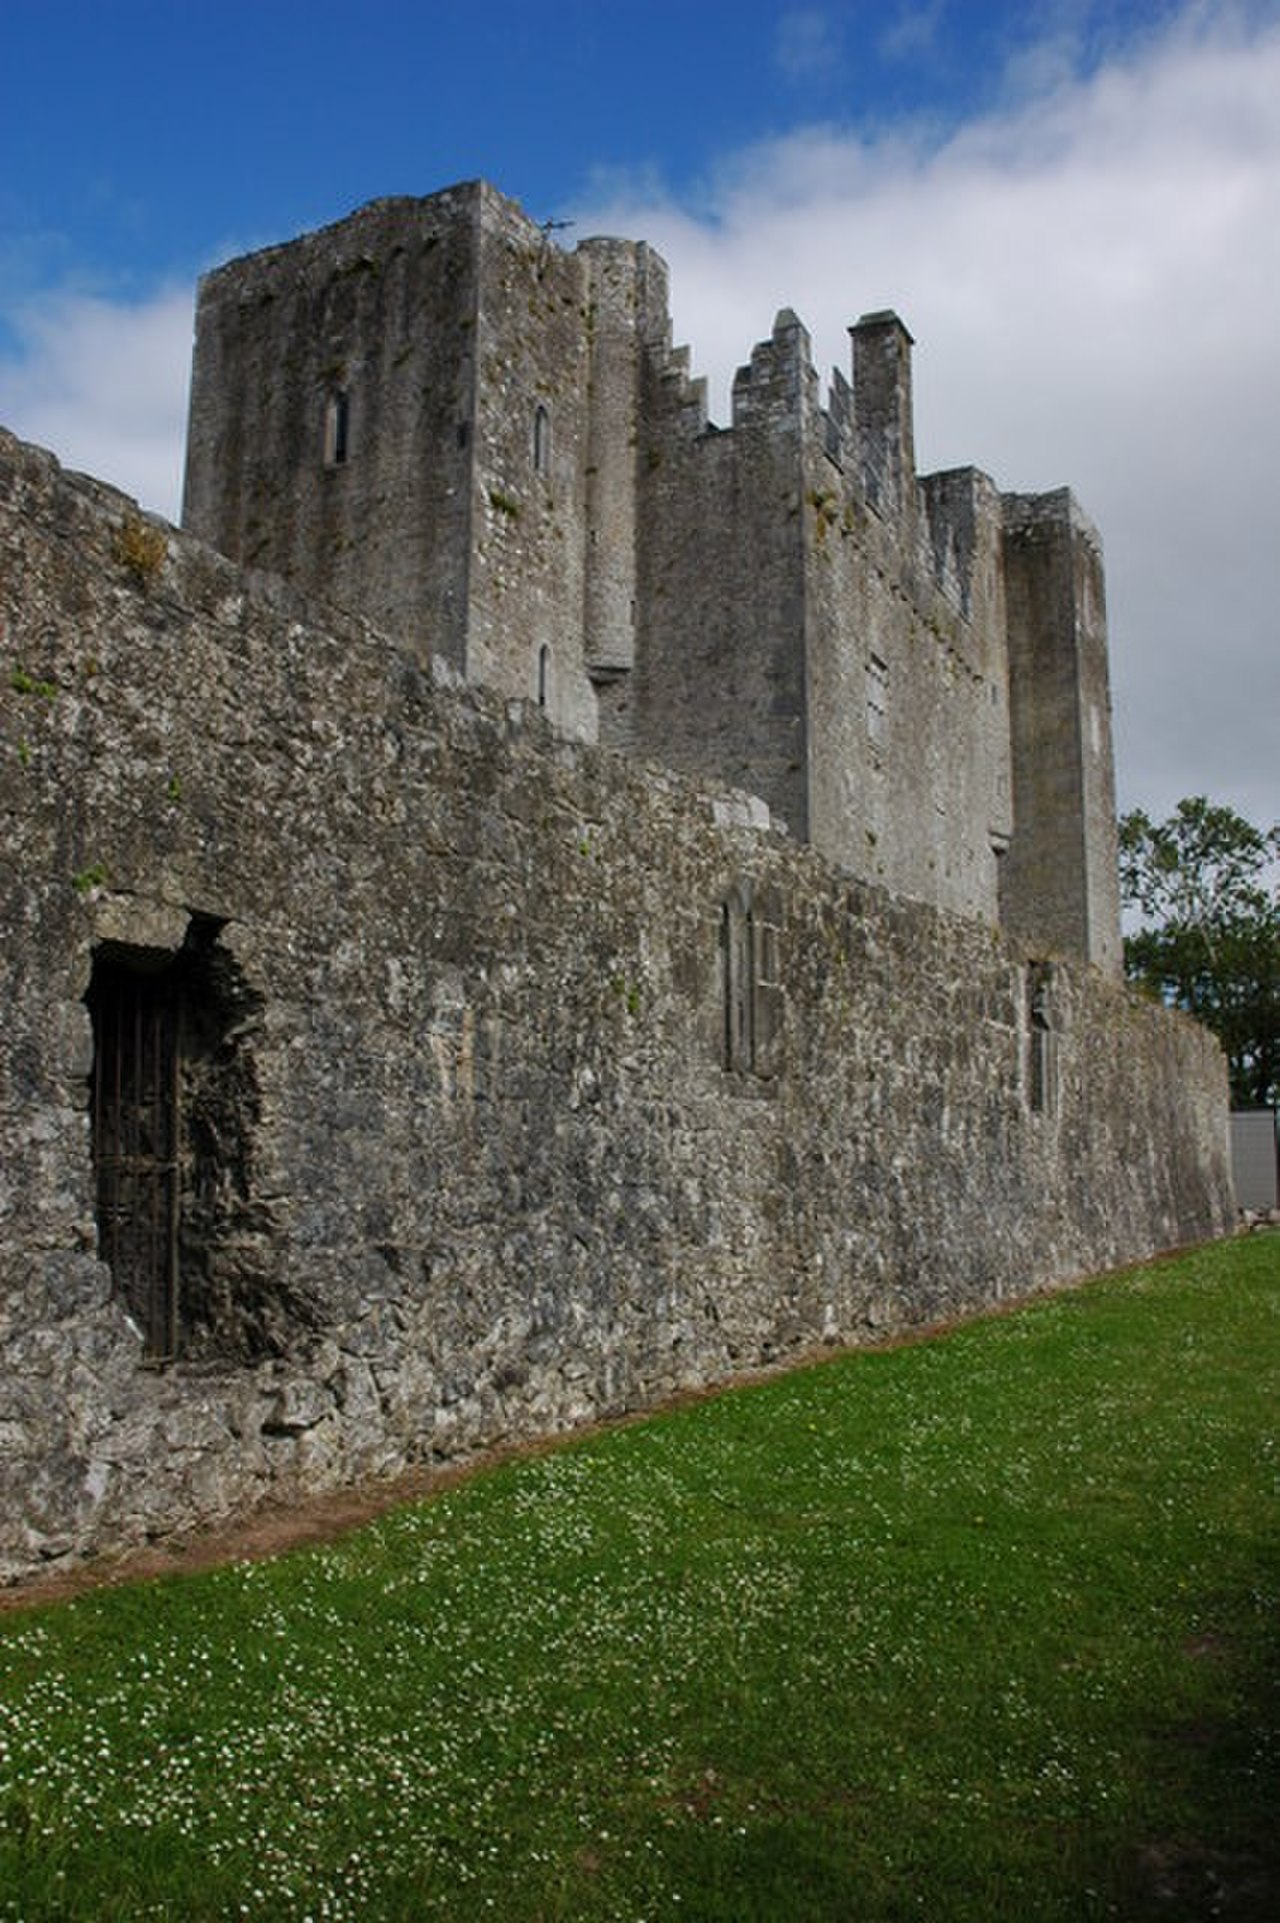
pixel 1075 205
pixel 141 136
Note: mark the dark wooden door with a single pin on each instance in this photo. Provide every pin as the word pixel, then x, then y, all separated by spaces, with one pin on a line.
pixel 135 1143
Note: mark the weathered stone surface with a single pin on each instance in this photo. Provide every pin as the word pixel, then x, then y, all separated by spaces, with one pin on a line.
pixel 910 672
pixel 460 1140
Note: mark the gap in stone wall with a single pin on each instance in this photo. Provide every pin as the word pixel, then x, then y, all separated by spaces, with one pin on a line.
pixel 175 1110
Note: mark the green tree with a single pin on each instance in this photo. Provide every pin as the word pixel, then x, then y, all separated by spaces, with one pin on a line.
pixel 1209 939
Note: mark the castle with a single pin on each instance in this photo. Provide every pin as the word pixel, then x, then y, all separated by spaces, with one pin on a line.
pixel 431 415
pixel 532 901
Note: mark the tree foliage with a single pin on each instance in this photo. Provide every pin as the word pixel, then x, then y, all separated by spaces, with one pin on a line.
pixel 1209 940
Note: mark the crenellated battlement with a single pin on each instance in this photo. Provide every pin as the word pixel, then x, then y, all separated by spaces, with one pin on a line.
pixel 432 413
pixel 778 386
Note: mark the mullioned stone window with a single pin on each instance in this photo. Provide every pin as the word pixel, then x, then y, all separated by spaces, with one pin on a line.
pixel 752 992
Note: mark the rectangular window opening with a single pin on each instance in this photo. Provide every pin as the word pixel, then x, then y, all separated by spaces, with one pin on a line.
pixel 337 429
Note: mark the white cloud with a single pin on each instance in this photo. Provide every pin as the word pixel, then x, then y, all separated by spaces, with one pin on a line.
pixel 912 31
pixel 808 43
pixel 1093 279
pixel 104 385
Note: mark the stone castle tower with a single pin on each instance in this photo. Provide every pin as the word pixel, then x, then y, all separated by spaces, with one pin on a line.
pixel 433 416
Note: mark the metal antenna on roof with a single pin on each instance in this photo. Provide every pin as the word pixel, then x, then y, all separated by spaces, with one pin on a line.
pixel 549 227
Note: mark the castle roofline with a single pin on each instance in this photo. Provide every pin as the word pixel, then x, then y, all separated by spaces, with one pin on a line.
pixel 1022 513
pixel 883 317
pixel 473 193
pixel 476 197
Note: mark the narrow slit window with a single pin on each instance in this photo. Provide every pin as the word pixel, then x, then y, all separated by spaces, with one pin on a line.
pixel 541 440
pixel 337 429
pixel 877 701
pixel 544 675
pixel 1042 1062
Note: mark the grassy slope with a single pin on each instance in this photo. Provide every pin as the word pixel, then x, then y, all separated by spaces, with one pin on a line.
pixel 976 1628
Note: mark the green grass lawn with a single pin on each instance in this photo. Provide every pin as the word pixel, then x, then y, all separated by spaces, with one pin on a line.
pixel 976 1628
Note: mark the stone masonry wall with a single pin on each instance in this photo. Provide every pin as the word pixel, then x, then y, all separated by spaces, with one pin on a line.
pixel 719 683
pixel 911 724
pixel 529 483
pixel 1061 882
pixel 486 1132
pixel 377 315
